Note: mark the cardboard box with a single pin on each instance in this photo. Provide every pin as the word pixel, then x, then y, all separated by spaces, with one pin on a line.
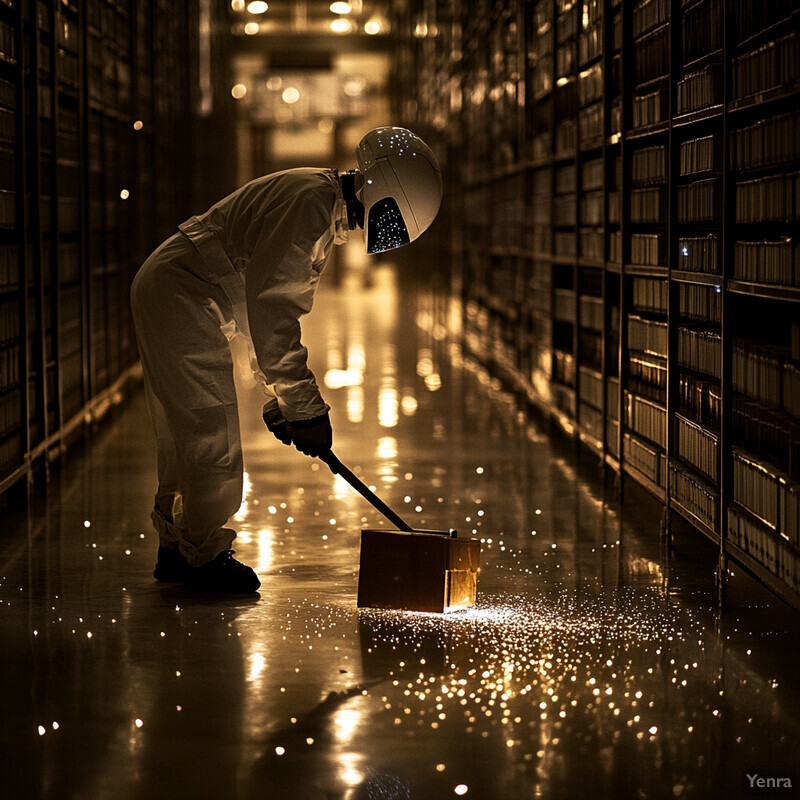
pixel 430 571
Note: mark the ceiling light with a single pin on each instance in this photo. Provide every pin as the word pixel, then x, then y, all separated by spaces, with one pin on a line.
pixel 372 27
pixel 257 7
pixel 341 8
pixel 237 5
pixel 354 87
pixel 251 28
pixel 290 95
pixel 239 91
pixel 341 25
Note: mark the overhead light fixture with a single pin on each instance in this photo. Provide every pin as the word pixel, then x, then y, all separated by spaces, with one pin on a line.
pixel 341 25
pixel 341 8
pixel 251 28
pixel 354 87
pixel 372 27
pixel 257 7
pixel 290 95
pixel 237 5
pixel 239 91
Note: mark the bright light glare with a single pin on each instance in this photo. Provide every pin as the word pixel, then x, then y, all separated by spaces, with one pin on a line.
pixel 341 25
pixel 237 5
pixel 251 28
pixel 257 7
pixel 290 95
pixel 461 789
pixel 124 194
pixel 138 125
pixel 372 27
pixel 341 8
pixel 239 91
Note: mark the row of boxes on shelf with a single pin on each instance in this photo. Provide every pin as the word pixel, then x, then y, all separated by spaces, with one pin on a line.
pixel 700 89
pixel 701 400
pixel 694 495
pixel 774 552
pixel 776 262
pixel 752 16
pixel 771 434
pixel 767 494
pixel 766 373
pixel 699 155
pixel 774 65
pixel 768 142
pixel 697 446
pixel 773 198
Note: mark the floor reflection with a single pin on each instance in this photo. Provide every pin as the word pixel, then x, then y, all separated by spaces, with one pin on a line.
pixel 592 666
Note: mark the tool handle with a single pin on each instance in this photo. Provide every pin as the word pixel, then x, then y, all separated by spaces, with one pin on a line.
pixel 337 468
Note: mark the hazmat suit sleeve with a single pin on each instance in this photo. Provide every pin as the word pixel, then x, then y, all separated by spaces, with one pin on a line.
pixel 280 283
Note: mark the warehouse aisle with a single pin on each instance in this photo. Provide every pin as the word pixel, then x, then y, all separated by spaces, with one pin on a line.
pixel 591 667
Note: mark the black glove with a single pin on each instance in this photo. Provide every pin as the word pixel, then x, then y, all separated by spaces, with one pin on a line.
pixel 276 424
pixel 312 436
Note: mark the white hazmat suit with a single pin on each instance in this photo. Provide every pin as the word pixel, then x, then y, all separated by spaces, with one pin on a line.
pixel 250 264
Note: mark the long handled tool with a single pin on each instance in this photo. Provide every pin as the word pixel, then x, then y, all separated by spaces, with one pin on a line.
pixel 409 569
pixel 337 468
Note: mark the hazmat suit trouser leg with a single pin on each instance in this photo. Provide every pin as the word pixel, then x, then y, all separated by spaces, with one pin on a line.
pixel 188 373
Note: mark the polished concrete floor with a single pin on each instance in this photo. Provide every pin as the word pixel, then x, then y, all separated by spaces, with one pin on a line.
pixel 593 665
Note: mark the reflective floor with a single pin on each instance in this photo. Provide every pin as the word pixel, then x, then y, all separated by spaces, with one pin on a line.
pixel 592 666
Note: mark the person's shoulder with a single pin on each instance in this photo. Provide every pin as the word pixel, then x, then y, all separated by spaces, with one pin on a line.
pixel 302 178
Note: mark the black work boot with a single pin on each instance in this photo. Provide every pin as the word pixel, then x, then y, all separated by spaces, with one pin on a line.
pixel 222 575
pixel 171 566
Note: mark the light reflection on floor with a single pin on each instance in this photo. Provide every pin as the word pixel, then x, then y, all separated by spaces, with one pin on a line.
pixel 592 665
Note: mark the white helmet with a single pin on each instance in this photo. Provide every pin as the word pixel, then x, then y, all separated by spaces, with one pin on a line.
pixel 402 188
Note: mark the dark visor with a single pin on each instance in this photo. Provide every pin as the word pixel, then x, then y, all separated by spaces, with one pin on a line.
pixel 385 227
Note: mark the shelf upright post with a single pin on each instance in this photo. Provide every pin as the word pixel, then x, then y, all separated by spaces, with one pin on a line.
pixel 626 90
pixel 84 204
pixel 673 161
pixel 21 231
pixel 55 194
pixel 725 465
pixel 38 356
pixel 606 60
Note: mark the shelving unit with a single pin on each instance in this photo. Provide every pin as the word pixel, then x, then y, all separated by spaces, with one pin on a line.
pixel 97 103
pixel 620 228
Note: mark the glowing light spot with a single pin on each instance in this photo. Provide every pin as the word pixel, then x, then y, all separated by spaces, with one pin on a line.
pixel 138 723
pixel 372 27
pixel 341 7
pixel 279 751
pixel 42 730
pixel 309 741
pixel 257 7
pixel 239 91
pixel 461 789
pixel 87 524
pixel 138 125
pixel 290 95
pixel 252 28
pixel 341 25
pixel 654 730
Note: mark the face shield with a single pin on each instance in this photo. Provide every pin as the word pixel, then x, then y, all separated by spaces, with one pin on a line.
pixel 401 189
pixel 385 227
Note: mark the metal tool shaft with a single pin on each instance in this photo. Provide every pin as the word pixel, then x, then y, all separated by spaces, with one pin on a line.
pixel 337 468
